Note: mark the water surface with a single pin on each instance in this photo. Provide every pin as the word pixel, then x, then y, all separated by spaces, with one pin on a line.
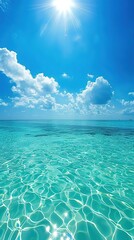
pixel 66 180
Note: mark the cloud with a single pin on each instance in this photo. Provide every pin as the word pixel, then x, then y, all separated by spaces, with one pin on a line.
pixel 24 81
pixel 94 100
pixel 128 107
pixel 65 75
pixel 65 97
pixel 96 93
pixel 2 103
pixel 131 94
pixel 127 103
pixel 44 93
pixel 128 111
pixel 42 103
pixel 24 84
pixel 90 76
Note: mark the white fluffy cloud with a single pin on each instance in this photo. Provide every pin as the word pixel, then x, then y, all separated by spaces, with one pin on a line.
pixel 43 103
pixel 94 99
pixel 43 92
pixel 24 84
pixel 24 81
pixel 11 68
pixel 128 107
pixel 97 93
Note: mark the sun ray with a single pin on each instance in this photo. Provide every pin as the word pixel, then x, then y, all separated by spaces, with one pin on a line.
pixel 63 13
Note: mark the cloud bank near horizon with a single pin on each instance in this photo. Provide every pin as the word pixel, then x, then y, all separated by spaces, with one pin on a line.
pixel 44 92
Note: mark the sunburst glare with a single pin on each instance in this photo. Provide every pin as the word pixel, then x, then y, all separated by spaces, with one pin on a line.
pixel 61 14
pixel 64 6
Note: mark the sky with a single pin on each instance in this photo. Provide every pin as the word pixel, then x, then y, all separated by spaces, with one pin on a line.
pixel 67 59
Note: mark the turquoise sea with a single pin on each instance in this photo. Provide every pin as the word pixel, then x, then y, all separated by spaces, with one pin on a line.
pixel 66 180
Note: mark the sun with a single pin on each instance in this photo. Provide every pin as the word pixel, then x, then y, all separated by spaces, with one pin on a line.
pixel 62 14
pixel 63 6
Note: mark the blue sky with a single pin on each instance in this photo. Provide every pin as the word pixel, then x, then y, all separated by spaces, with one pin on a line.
pixel 71 62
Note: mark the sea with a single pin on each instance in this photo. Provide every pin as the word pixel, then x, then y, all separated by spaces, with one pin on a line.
pixel 66 180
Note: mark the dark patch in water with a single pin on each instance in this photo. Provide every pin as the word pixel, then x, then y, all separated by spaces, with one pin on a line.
pixel 88 130
pixel 92 133
pixel 107 134
pixel 41 135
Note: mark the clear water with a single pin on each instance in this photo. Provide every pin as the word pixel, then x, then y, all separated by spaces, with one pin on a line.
pixel 66 180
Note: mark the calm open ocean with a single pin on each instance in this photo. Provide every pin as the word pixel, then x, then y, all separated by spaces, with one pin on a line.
pixel 66 180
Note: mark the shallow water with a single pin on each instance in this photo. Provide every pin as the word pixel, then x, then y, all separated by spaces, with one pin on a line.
pixel 66 180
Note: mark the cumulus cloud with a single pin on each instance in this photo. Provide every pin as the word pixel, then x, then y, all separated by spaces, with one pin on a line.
pixel 128 107
pixel 24 81
pixel 24 84
pixel 97 93
pixel 43 103
pixel 94 99
pixel 68 97
pixel 44 93
pixel 2 103
pixel 11 68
